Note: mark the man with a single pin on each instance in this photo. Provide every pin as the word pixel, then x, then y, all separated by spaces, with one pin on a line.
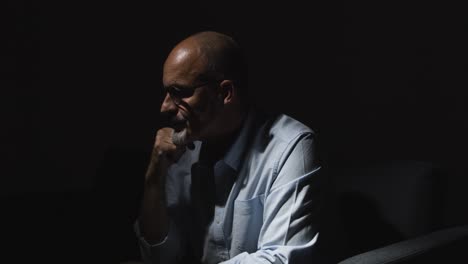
pixel 226 183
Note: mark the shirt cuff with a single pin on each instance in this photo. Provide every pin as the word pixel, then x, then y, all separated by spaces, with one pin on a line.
pixel 168 251
pixel 146 244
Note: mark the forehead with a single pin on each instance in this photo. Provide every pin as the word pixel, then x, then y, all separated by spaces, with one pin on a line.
pixel 183 66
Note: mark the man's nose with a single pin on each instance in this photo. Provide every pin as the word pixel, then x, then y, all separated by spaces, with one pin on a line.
pixel 168 105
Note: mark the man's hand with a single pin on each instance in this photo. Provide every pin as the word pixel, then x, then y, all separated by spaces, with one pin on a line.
pixel 164 154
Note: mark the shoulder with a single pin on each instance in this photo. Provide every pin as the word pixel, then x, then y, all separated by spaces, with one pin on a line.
pixel 293 139
pixel 282 130
pixel 277 135
pixel 287 128
pixel 283 151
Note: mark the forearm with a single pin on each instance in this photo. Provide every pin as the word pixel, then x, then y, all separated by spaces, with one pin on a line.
pixel 298 254
pixel 159 235
pixel 154 220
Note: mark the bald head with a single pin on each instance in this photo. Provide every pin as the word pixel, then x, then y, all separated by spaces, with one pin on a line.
pixel 203 76
pixel 208 56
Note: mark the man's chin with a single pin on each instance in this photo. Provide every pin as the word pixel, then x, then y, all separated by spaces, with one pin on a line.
pixel 181 138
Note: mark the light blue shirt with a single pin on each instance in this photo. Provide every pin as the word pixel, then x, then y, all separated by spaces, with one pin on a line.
pixel 271 208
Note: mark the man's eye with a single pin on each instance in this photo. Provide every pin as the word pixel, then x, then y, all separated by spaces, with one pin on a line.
pixel 181 93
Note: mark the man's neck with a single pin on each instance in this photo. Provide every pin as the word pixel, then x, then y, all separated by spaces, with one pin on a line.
pixel 213 150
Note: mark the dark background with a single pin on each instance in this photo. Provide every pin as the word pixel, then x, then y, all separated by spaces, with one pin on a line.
pixel 80 84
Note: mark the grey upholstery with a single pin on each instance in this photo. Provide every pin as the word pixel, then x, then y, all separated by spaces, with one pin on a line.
pixel 444 246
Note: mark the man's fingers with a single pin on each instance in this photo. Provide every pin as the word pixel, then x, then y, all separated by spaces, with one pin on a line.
pixel 165 144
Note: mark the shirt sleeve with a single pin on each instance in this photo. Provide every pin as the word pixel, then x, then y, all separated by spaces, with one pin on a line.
pixel 291 209
pixel 167 251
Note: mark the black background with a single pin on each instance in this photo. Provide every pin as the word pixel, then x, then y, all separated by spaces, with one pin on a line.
pixel 80 84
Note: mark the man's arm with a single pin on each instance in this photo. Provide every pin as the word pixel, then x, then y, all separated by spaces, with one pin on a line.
pixel 153 226
pixel 291 210
pixel 154 221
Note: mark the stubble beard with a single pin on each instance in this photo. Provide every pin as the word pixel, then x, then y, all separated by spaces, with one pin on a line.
pixel 180 138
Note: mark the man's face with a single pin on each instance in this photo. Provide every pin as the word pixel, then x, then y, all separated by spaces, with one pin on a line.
pixel 192 105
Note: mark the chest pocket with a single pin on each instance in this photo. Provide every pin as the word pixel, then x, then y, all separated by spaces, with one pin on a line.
pixel 246 225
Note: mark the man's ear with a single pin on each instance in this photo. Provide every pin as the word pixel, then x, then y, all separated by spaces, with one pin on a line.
pixel 228 91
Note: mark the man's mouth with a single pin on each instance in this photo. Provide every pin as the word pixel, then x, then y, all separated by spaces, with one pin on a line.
pixel 178 125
